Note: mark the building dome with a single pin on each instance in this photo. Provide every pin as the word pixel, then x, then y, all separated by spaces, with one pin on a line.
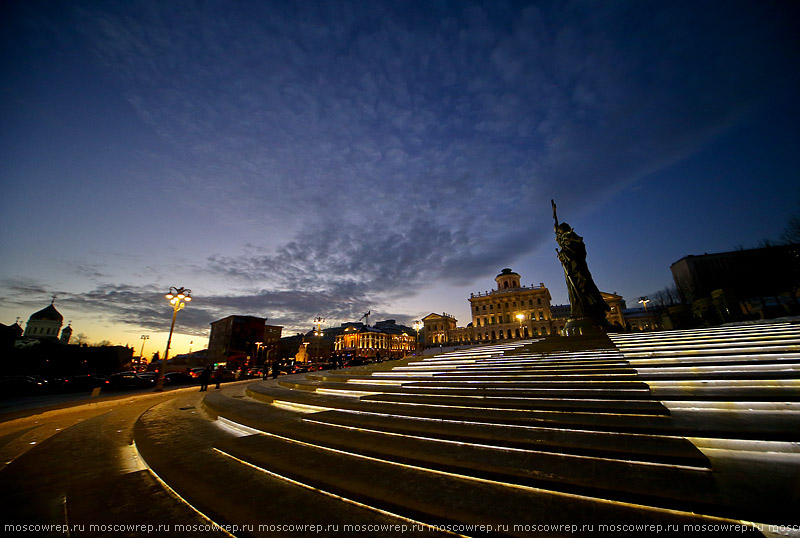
pixel 45 323
pixel 507 279
pixel 47 314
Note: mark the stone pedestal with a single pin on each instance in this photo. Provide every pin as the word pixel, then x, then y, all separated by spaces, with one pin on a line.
pixel 585 327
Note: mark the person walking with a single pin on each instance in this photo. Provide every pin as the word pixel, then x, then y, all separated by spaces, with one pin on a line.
pixel 205 376
pixel 218 376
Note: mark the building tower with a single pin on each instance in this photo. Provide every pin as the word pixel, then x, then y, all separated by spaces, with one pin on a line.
pixel 45 323
pixel 66 334
pixel 507 279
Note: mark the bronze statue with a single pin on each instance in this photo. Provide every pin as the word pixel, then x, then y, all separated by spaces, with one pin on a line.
pixel 587 307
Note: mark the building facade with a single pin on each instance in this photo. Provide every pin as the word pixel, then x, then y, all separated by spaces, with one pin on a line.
pixel 511 310
pixel 743 284
pixel 240 341
pixel 439 329
pixel 386 339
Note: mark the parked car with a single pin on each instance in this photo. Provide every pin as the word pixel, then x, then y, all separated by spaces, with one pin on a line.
pixel 21 385
pixel 82 382
pixel 129 380
pixel 226 374
pixel 178 378
pixel 257 371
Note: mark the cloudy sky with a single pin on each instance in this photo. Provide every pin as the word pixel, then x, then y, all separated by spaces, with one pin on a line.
pixel 300 159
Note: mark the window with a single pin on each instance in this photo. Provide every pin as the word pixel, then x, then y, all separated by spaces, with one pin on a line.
pixel 539 300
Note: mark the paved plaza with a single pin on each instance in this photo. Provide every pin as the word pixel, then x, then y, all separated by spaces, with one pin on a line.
pixel 627 435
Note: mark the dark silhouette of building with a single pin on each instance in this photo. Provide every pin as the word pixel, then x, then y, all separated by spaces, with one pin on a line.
pixel 241 340
pixel 725 286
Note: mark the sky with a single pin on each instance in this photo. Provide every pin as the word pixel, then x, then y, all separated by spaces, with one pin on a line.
pixel 290 160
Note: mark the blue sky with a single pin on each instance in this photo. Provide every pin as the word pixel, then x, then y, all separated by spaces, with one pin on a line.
pixel 301 159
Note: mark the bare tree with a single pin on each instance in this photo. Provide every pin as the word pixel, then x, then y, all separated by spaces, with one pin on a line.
pixel 791 234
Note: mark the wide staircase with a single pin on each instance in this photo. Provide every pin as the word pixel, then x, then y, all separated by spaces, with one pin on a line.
pixel 670 431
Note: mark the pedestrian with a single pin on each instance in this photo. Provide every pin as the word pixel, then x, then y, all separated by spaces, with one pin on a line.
pixel 205 375
pixel 218 376
pixel 275 366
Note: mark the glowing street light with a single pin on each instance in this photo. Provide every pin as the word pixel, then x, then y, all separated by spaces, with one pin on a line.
pixel 520 317
pixel 318 323
pixel 177 297
pixel 417 326
pixel 644 301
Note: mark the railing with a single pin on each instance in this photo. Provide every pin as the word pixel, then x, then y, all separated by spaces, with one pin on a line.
pixel 507 290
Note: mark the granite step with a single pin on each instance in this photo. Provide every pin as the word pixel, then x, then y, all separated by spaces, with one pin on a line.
pixel 608 445
pixel 177 443
pixel 438 497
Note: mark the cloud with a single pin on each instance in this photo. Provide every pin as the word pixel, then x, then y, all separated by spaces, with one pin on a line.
pixel 381 147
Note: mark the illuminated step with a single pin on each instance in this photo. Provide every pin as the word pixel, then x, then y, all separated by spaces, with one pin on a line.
pixel 760 393
pixel 456 389
pixel 490 383
pixel 719 351
pixel 724 359
pixel 771 341
pixel 788 336
pixel 311 402
pixel 713 372
pixel 177 447
pixel 640 447
pixel 450 494
pixel 565 375
pixel 711 331
pixel 608 476
pixel 743 383
pixel 618 406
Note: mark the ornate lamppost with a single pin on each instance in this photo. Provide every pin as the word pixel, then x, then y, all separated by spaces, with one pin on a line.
pixel 177 297
pixel 318 323
pixel 644 301
pixel 145 338
pixel 417 326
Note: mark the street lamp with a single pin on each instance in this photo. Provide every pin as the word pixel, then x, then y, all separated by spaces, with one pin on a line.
pixel 417 326
pixel 177 297
pixel 520 317
pixel 318 323
pixel 145 338
pixel 644 301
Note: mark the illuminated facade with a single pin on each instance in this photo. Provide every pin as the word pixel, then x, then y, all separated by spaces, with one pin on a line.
pixel 439 329
pixel 511 310
pixel 386 340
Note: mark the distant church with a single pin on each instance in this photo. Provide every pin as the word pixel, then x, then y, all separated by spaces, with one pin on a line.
pixel 45 324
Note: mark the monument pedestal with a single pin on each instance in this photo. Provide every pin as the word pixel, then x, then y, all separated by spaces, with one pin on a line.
pixel 585 327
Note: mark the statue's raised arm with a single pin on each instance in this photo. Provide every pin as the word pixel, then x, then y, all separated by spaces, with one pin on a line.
pixel 555 217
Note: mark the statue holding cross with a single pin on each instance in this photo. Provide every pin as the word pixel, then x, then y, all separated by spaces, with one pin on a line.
pixel 587 307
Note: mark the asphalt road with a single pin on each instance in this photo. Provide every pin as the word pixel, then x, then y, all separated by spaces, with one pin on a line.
pixel 73 471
